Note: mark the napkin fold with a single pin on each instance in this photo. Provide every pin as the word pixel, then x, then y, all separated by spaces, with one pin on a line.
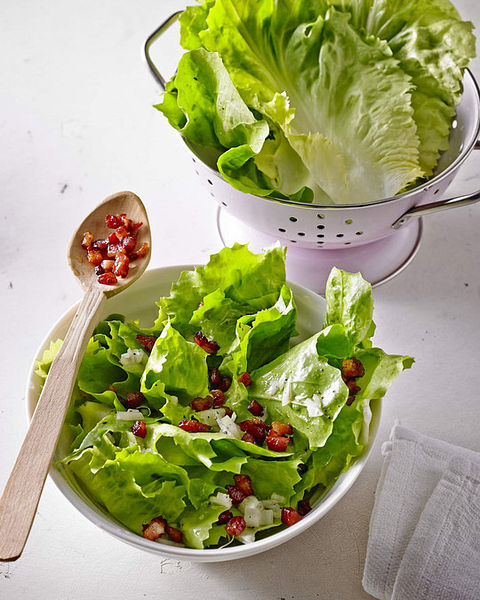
pixel 424 540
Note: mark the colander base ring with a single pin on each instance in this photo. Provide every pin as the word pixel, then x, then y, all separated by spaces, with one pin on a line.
pixel 378 261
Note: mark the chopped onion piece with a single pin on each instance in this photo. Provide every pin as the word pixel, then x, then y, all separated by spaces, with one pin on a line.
pixel 247 537
pixel 229 427
pixel 267 517
pixel 130 415
pixel 221 500
pixel 133 357
pixel 253 516
pixel 210 416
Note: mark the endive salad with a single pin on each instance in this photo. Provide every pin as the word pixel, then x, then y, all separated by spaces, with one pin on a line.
pixel 218 423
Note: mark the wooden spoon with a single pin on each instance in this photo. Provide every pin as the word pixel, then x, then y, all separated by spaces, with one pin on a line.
pixel 24 487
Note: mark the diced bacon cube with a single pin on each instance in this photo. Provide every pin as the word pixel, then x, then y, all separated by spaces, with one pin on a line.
pixel 235 526
pixel 290 516
pixel 244 483
pixel 154 529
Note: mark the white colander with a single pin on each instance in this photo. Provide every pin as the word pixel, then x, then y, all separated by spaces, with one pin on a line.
pixel 337 227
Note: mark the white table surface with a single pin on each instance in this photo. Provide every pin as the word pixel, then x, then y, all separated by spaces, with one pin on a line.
pixel 76 124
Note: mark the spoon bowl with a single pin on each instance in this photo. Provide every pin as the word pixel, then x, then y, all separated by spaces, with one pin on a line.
pixel 121 202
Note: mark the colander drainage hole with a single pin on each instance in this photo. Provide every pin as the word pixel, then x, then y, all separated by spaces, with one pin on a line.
pixel 320 235
pixel 293 241
pixel 224 203
pixel 293 219
pixel 339 234
pixel 320 243
pixel 212 194
pixel 300 233
pixel 197 172
pixel 347 243
pixel 320 226
pixel 320 216
pixel 210 182
pixel 282 230
pixel 359 233
pixel 436 192
pixel 194 160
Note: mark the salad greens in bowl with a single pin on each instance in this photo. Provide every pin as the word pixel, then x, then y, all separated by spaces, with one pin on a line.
pixel 233 422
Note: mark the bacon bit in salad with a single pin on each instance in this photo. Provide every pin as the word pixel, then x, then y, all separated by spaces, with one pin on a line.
pixel 210 347
pixel 224 517
pixel 290 516
pixel 235 526
pixel 255 408
pixel 154 529
pixel 352 367
pixel 132 400
pixel 228 411
pixel 139 428
pixel 255 427
pixel 235 494
pixel 245 379
pixel 353 388
pixel 147 341
pixel 275 442
pixel 214 377
pixel 248 437
pixel 202 403
pixel 225 383
pixel 303 507
pixel 302 469
pixel 193 426
pixel 281 428
pixel 350 400
pixel 244 483
pixel 174 534
pixel 119 246
pixel 107 279
pixel 218 398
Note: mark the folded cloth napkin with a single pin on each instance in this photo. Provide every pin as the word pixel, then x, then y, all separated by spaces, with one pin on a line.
pixel 424 541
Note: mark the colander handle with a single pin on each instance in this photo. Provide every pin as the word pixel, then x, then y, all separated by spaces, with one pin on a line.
pixel 434 207
pixel 151 38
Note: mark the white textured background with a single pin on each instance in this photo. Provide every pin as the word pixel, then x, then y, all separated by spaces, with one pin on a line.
pixel 76 125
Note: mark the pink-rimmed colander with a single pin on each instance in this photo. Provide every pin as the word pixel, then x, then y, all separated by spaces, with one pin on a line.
pixel 391 226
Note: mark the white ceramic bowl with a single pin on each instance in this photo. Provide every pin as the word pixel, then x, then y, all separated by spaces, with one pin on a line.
pixel 138 302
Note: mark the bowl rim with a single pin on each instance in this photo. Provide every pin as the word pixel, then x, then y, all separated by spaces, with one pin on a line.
pixel 110 525
pixel 464 154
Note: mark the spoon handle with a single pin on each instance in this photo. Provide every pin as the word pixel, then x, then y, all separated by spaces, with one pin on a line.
pixel 25 484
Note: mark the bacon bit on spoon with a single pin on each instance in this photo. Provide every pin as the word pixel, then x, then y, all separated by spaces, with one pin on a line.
pixel 87 240
pixel 193 426
pixel 235 494
pixel 352 367
pixel 225 383
pixel 218 398
pixel 275 442
pixel 290 516
pixel 174 534
pixel 281 428
pixel 139 428
pixel 154 529
pixel 147 341
pixel 210 347
pixel 235 526
pixel 244 483
pixel 255 408
pixel 202 403
pixel 245 379
pixel 224 517
pixel 303 507
pixel 214 377
pixel 107 279
pixel 118 246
